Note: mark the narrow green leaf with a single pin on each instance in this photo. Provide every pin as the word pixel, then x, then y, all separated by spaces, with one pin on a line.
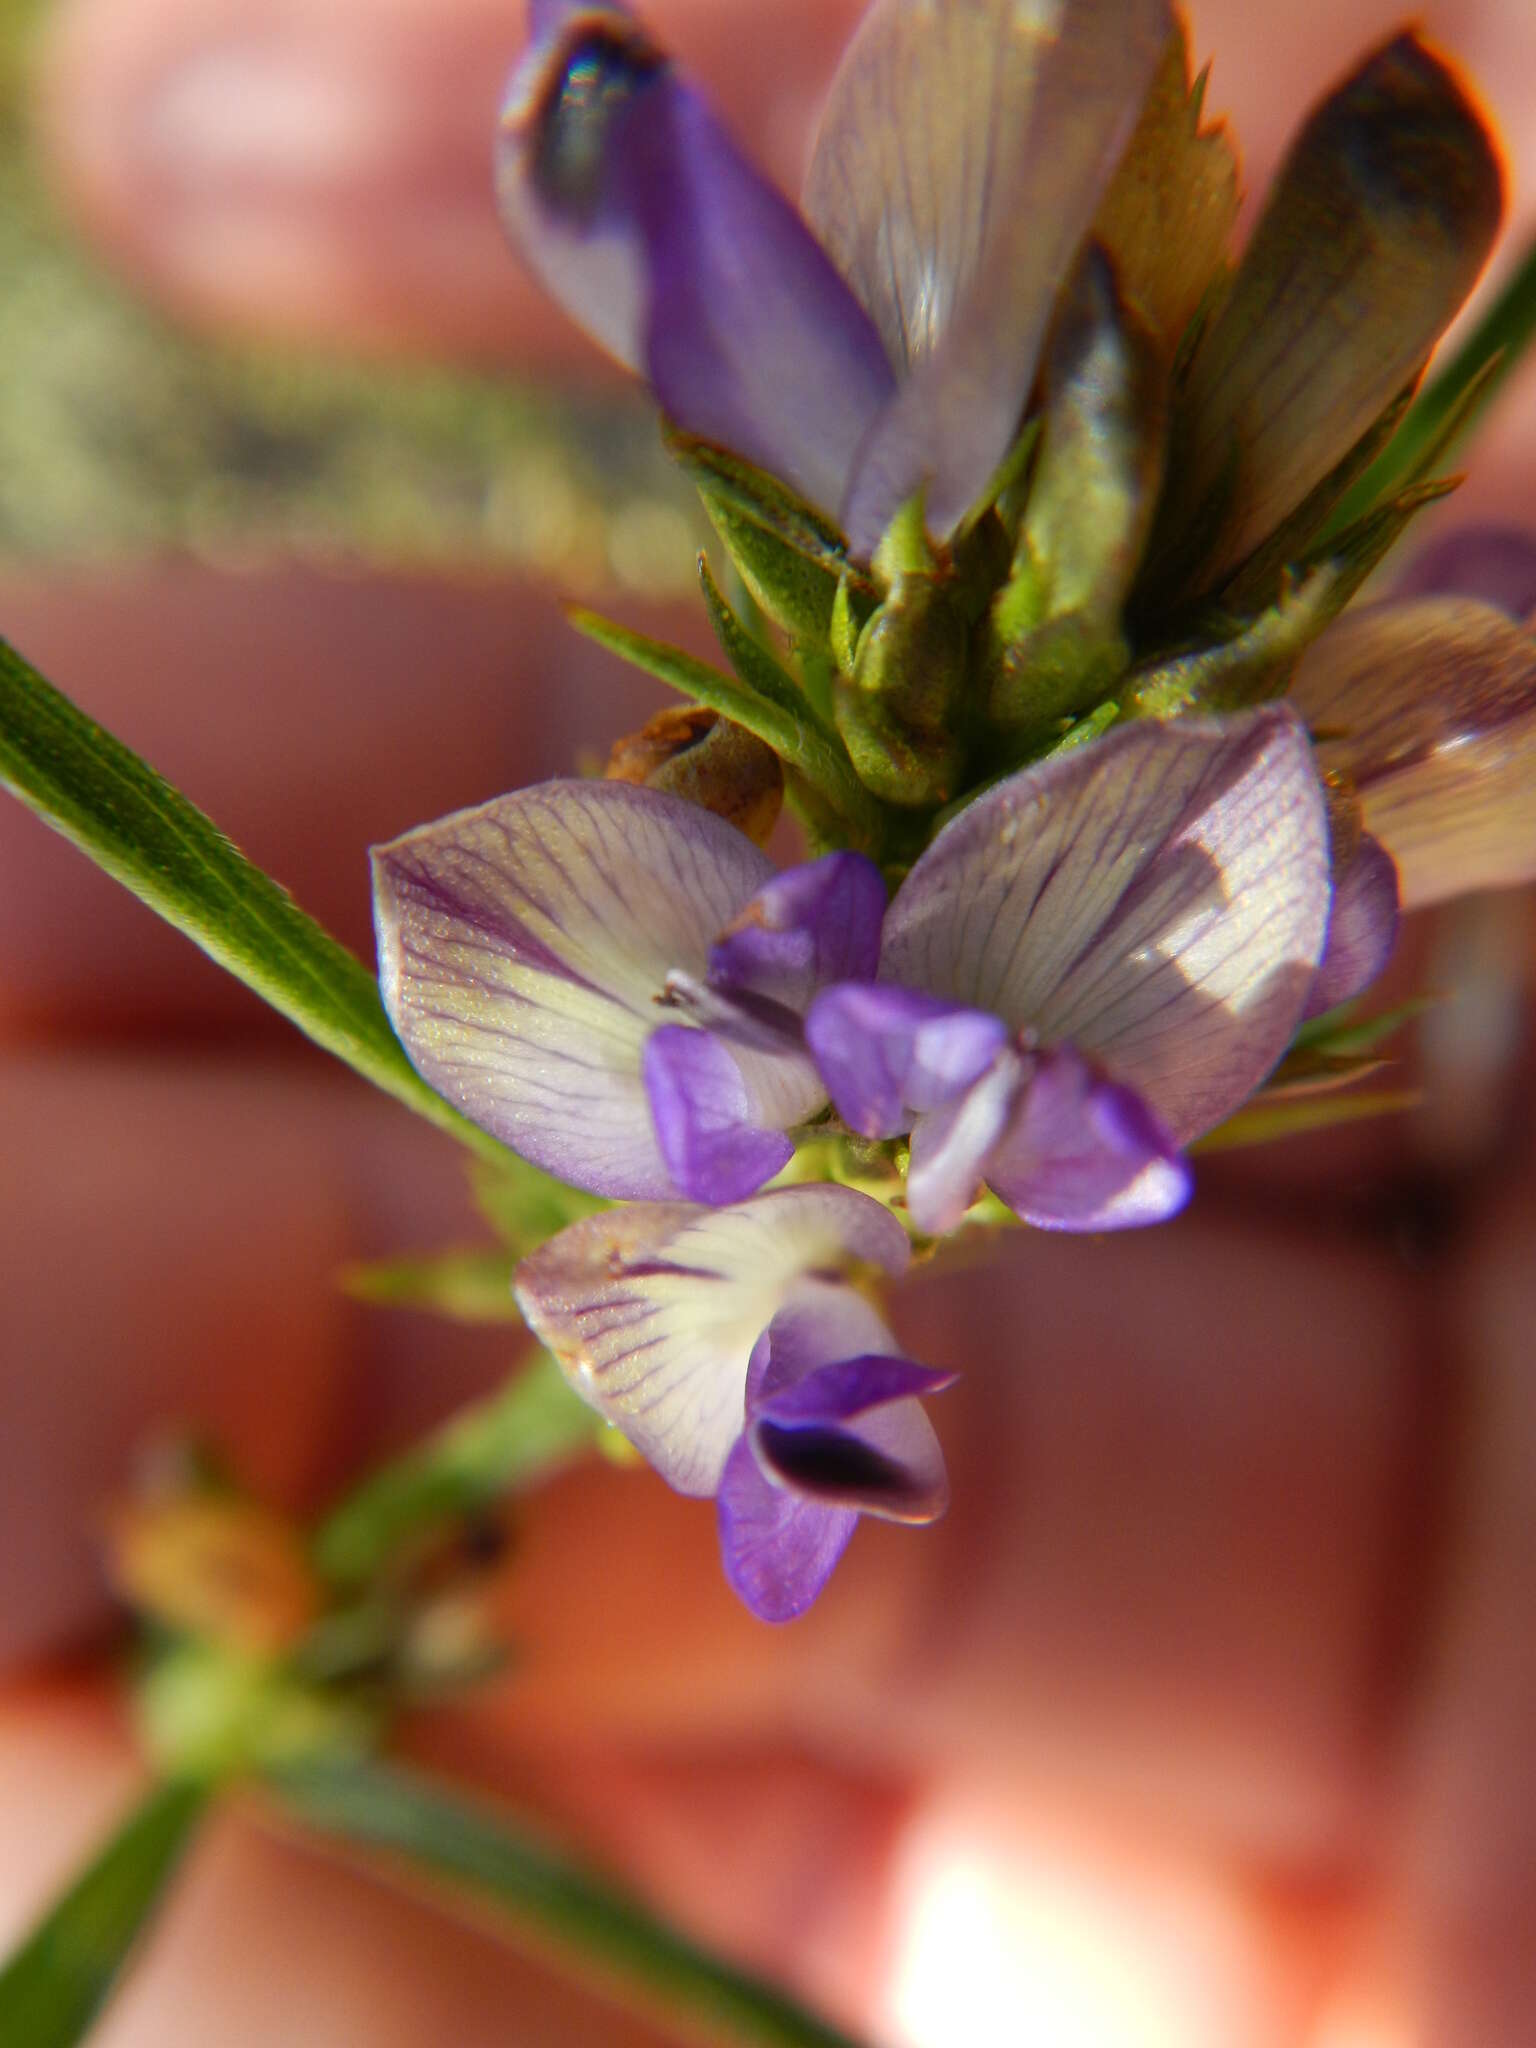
pixel 56 1983
pixel 1083 729
pixel 751 660
pixel 1344 1034
pixel 756 667
pixel 467 1286
pixel 100 795
pixel 1261 1122
pixel 770 505
pixel 379 1808
pixel 795 735
pixel 1478 370
pixel 530 1428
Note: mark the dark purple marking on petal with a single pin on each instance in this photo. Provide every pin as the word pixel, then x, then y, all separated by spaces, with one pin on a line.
pixel 887 1053
pixel 1083 1152
pixel 1362 930
pixel 848 1387
pixel 810 926
pixel 852 1434
pixel 637 212
pixel 778 1550
pixel 703 1117
pixel 1496 564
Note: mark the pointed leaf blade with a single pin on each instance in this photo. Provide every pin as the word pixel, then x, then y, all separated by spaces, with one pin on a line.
pixel 794 734
pixel 54 1985
pixel 145 834
pixel 372 1807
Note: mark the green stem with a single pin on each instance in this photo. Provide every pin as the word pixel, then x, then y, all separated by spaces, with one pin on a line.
pixel 146 835
pixel 378 1807
pixel 525 1431
pixel 1491 353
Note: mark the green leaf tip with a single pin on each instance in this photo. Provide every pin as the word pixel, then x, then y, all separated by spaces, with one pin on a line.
pixel 54 1986
pixel 793 730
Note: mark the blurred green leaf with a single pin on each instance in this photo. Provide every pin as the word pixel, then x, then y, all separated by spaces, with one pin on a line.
pixel 100 795
pixel 1261 1122
pixel 523 1204
pixel 56 1983
pixel 643 1959
pixel 1343 1033
pixel 527 1430
pixel 468 1286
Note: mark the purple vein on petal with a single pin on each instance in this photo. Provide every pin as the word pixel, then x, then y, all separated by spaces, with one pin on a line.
pixel 654 1310
pixel 963 153
pixel 522 947
pixel 1158 900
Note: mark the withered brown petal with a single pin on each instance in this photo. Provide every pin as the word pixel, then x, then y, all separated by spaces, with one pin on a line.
pixel 1429 708
pixel 1379 222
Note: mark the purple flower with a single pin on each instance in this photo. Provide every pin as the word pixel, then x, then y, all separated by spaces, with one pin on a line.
pixel 1093 964
pixel 730 1349
pixel 612 981
pixel 887 341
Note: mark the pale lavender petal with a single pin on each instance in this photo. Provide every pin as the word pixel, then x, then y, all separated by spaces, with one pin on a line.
pixel 655 1310
pixel 1084 1153
pixel 1495 564
pixel 963 153
pixel 1362 930
pixel 522 950
pixel 808 927
pixel 1428 708
pixel 886 1053
pixel 703 1115
pixel 1158 899
pixel 637 211
pixel 779 1548
pixel 953 1145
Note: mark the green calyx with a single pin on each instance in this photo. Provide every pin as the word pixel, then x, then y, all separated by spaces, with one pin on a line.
pixel 895 690
pixel 1215 456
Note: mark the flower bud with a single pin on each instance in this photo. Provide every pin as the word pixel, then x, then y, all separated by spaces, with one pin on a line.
pixel 698 755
